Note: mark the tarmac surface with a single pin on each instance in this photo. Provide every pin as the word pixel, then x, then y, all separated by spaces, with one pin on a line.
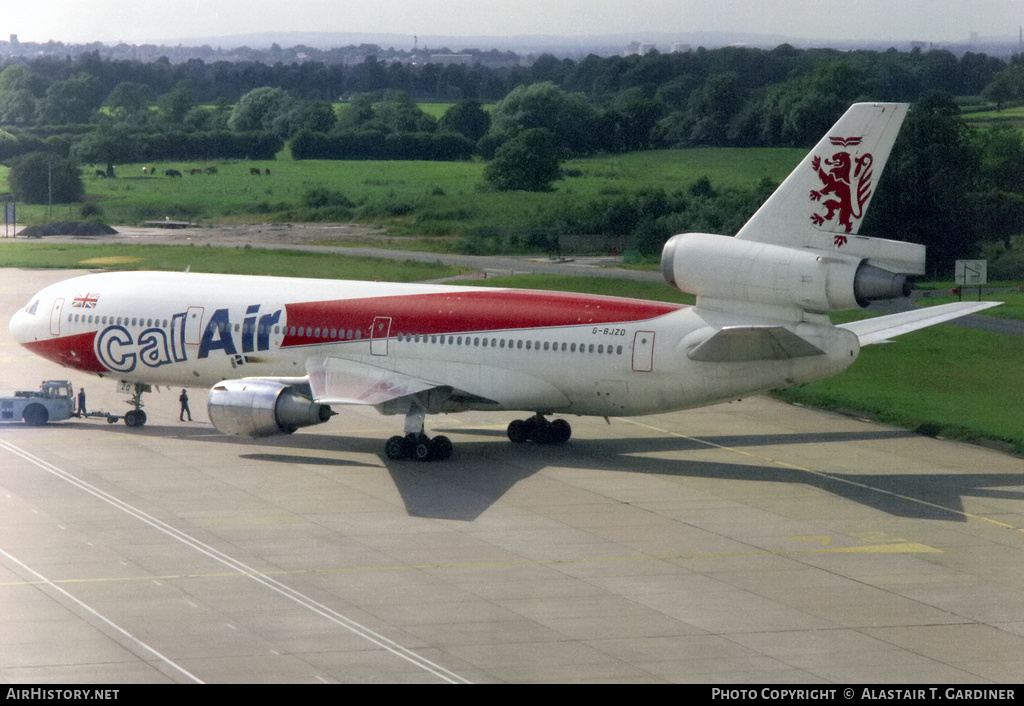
pixel 753 542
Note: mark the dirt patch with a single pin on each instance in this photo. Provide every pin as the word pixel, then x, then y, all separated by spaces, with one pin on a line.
pixel 223 235
pixel 255 234
pixel 78 228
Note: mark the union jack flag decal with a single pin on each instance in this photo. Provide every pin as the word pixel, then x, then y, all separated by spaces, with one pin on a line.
pixel 85 301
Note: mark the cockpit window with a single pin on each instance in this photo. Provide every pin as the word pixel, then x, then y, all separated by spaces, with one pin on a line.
pixel 31 309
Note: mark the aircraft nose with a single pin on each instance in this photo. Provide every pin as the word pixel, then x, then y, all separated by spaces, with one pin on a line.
pixel 21 326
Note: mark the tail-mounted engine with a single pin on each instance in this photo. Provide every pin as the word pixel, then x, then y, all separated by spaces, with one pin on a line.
pixel 258 408
pixel 720 269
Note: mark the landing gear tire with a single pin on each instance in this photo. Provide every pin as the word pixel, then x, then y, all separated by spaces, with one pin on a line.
pixel 397 448
pixel 421 447
pixel 134 418
pixel 418 447
pixel 440 448
pixel 559 432
pixel 539 430
pixel 518 432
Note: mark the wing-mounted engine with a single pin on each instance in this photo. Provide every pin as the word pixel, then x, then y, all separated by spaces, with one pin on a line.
pixel 257 408
pixel 775 280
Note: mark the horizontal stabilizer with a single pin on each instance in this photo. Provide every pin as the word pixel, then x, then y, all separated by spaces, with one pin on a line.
pixel 736 344
pixel 882 328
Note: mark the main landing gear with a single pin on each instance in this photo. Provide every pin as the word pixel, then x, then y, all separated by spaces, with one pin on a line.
pixel 416 445
pixel 539 430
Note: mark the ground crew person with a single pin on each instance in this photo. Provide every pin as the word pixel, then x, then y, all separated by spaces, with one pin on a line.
pixel 81 402
pixel 183 398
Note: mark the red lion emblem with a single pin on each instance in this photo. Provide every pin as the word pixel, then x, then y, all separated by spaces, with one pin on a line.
pixel 838 182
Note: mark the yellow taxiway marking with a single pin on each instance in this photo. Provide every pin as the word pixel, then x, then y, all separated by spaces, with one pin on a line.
pixel 820 474
pixel 889 548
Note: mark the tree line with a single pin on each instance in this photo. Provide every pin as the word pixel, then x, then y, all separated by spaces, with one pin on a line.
pixel 953 187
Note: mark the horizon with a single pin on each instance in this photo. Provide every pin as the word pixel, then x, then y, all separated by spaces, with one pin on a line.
pixel 874 21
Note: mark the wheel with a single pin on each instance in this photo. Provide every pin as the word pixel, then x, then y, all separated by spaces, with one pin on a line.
pixel 440 448
pixel 134 418
pixel 540 430
pixel 517 432
pixel 397 448
pixel 35 415
pixel 421 447
pixel 559 432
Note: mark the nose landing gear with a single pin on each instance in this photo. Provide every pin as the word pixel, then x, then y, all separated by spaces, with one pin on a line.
pixel 135 417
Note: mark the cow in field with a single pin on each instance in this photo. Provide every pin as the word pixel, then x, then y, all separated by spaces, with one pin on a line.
pixel 211 170
pixel 254 170
pixel 172 173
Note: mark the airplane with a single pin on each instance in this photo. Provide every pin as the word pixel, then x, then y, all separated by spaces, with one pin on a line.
pixel 276 353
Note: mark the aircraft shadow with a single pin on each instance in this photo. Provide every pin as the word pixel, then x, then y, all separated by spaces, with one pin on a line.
pixel 480 472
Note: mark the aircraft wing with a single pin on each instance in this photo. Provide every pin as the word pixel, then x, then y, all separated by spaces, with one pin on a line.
pixel 882 328
pixel 341 381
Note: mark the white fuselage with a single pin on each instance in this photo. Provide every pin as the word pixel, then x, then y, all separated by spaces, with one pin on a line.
pixel 495 348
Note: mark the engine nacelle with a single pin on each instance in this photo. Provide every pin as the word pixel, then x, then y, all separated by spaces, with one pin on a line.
pixel 725 269
pixel 258 408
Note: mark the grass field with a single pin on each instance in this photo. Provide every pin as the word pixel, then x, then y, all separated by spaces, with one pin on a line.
pixel 250 261
pixel 434 199
pixel 945 381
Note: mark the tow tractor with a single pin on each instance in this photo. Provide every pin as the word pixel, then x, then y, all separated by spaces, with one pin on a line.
pixel 54 401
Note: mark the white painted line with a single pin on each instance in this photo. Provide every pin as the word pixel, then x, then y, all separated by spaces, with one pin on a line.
pixel 92 611
pixel 235 565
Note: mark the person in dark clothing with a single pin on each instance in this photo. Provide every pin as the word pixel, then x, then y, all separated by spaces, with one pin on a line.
pixel 183 398
pixel 81 402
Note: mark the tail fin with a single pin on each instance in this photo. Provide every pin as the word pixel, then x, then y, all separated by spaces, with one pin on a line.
pixel 822 203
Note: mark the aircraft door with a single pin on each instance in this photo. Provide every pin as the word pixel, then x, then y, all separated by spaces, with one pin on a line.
pixel 643 351
pixel 193 326
pixel 379 335
pixel 55 314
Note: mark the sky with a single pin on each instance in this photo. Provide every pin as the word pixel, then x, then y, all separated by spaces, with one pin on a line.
pixel 145 21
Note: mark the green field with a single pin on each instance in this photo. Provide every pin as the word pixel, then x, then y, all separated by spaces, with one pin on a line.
pixel 945 381
pixel 248 261
pixel 421 199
